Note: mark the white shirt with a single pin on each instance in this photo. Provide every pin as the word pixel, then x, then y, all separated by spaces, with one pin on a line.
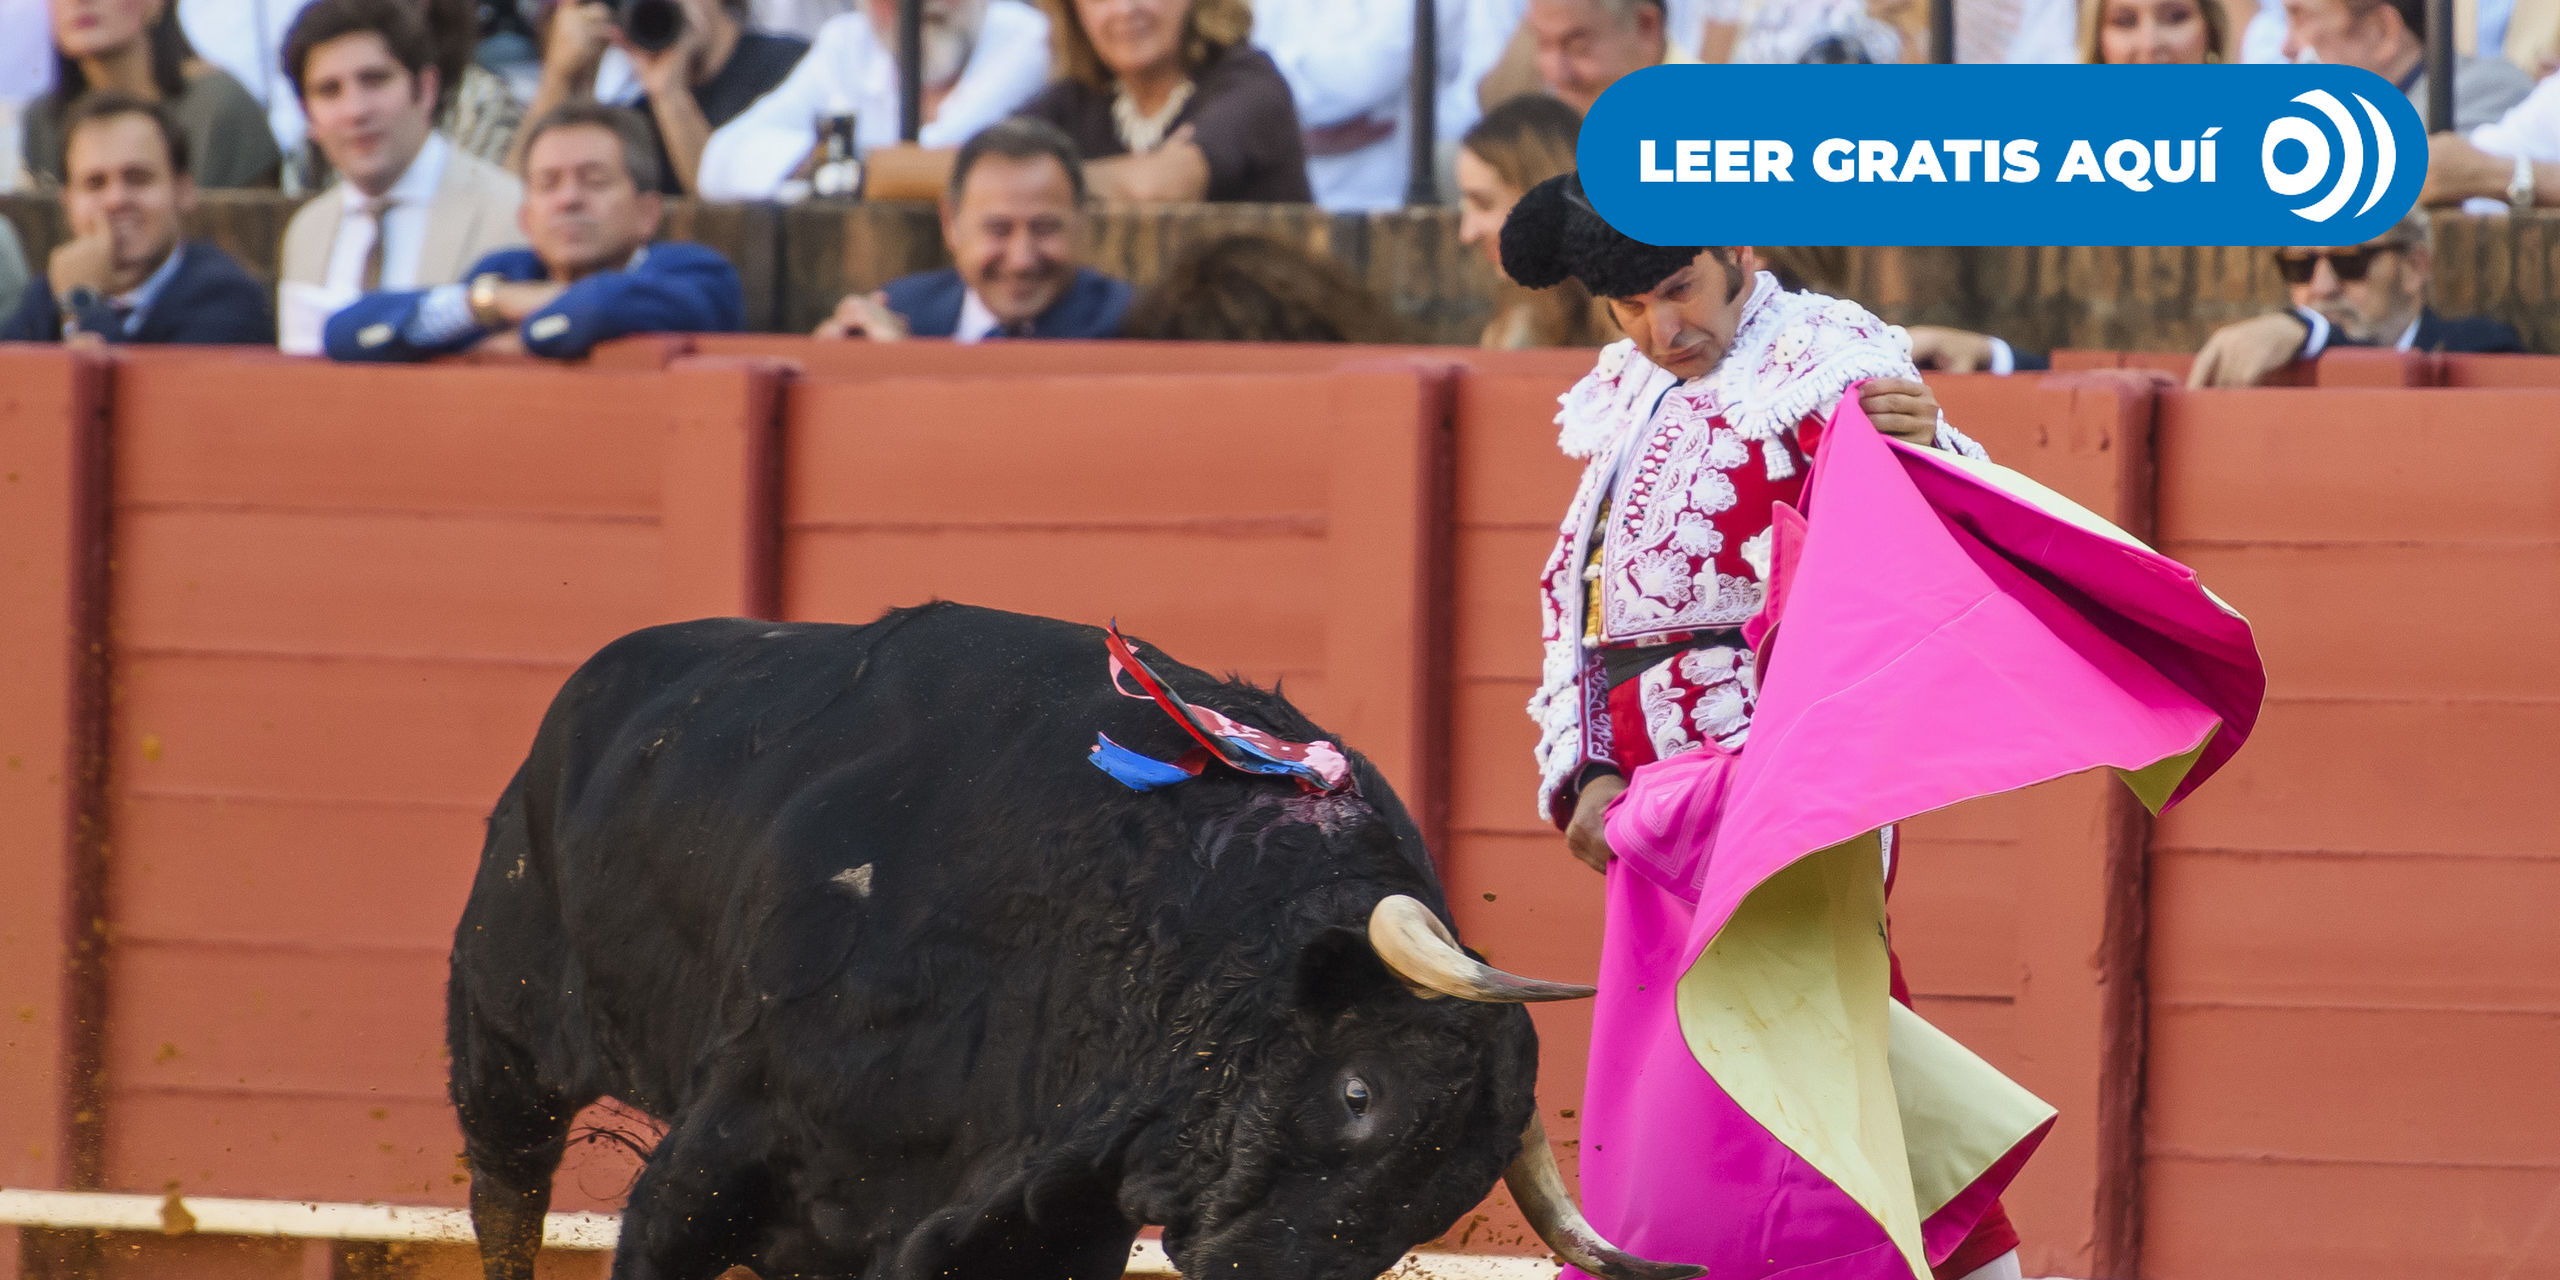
pixel 800 18
pixel 404 229
pixel 976 321
pixel 26 53
pixel 246 38
pixel 1473 37
pixel 1347 61
pixel 2529 128
pixel 850 70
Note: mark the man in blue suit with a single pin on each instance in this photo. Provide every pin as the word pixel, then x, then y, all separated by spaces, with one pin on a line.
pixel 590 208
pixel 1013 219
pixel 124 276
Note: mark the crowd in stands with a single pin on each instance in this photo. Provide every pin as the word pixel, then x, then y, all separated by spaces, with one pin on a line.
pixel 490 174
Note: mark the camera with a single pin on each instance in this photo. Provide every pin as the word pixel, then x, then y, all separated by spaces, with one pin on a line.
pixel 650 25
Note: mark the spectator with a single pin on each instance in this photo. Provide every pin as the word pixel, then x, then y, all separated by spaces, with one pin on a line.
pixel 247 39
pixel 134 47
pixel 1584 46
pixel 1168 103
pixel 2371 295
pixel 2153 32
pixel 709 75
pixel 982 60
pixel 409 209
pixel 591 208
pixel 1515 147
pixel 2389 39
pixel 1348 64
pixel 124 275
pixel 1013 220
pixel 1248 288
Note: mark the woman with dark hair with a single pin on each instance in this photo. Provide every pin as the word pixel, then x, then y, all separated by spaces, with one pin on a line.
pixel 1169 103
pixel 135 47
pixel 1249 288
pixel 1516 146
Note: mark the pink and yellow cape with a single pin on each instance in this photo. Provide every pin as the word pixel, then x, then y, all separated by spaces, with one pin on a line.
pixel 1942 628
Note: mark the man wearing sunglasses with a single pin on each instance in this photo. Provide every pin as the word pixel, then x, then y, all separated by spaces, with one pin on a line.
pixel 2370 295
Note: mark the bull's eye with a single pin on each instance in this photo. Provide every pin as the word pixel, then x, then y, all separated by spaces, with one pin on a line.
pixel 1355 1095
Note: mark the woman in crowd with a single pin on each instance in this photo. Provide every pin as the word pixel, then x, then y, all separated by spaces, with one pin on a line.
pixel 1169 103
pixel 2127 32
pixel 1514 147
pixel 1249 288
pixel 135 47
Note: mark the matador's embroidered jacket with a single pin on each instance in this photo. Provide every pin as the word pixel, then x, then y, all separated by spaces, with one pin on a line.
pixel 1666 542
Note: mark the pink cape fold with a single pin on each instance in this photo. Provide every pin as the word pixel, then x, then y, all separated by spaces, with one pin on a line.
pixel 1948 632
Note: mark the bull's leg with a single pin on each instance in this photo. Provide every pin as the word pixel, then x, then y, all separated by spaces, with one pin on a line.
pixel 513 1133
pixel 1075 1237
pixel 703 1198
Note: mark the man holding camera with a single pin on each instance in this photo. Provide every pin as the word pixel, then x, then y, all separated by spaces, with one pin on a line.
pixel 696 64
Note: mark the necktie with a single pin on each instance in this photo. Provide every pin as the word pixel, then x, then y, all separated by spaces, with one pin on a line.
pixel 376 210
pixel 123 313
pixel 1015 329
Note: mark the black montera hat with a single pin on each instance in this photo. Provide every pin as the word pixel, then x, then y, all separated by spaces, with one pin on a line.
pixel 1553 232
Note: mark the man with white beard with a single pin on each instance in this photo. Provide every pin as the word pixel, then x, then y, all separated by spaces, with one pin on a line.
pixel 982 59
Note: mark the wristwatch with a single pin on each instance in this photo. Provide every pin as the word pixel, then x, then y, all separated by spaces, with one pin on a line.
pixel 483 297
pixel 2520 187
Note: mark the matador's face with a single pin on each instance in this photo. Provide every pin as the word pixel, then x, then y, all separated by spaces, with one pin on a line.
pixel 1686 323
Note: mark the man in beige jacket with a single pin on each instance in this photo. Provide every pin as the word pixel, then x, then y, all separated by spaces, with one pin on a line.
pixel 409 210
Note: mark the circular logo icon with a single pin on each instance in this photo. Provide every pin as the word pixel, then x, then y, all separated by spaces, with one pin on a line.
pixel 2341 167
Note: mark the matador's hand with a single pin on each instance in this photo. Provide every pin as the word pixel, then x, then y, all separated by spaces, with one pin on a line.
pixel 1903 408
pixel 1587 835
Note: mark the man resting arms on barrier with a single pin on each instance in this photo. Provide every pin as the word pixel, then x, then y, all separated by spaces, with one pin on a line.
pixel 591 208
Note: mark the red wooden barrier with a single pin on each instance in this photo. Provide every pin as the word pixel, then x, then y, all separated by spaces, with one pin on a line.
pixel 338 611
pixel 52 571
pixel 1278 526
pixel 338 619
pixel 2354 974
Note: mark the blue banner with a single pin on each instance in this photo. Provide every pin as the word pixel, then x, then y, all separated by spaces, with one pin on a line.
pixel 2023 155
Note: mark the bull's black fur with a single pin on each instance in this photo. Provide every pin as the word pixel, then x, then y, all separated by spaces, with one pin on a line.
pixel 920 992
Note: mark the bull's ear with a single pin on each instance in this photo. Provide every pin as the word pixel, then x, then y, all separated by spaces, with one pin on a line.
pixel 1338 969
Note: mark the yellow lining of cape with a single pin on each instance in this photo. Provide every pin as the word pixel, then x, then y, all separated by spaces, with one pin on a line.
pixel 1790 1009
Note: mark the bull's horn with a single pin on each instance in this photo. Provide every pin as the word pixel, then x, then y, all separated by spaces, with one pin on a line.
pixel 1419 949
pixel 1539 1188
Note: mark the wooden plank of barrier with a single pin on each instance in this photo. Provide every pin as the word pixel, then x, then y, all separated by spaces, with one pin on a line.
pixel 1198 509
pixel 345 595
pixel 2454 370
pixel 2372 367
pixel 2071 853
pixel 1387 526
pixel 1516 894
pixel 52 733
pixel 2354 974
pixel 720 520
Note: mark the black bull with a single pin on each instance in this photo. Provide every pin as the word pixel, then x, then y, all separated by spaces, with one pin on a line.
pixel 920 992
